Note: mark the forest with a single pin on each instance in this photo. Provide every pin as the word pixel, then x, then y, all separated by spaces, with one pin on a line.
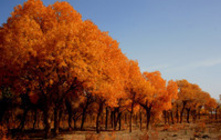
pixel 60 73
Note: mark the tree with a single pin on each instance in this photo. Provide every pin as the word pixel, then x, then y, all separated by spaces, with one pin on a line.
pixel 211 105
pixel 184 94
pixel 136 85
pixel 160 97
pixel 172 91
pixel 52 50
pixel 110 86
pixel 191 96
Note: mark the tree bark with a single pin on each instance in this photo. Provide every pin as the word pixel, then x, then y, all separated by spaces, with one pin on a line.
pixel 83 118
pixel 119 119
pixel 70 120
pixel 75 123
pixel 148 110
pixel 47 122
pixel 56 121
pixel 106 122
pixel 70 113
pixel 181 114
pixel 188 115
pixel 171 116
pixel 216 114
pixel 168 116
pixel 98 117
pixel 165 116
pixel 84 115
pixel 3 108
pixel 194 114
pixel 112 119
pixel 140 120
pixel 125 115
pixel 60 117
pixel 177 113
pixel 21 126
pixel 35 119
pixel 131 115
pixel 115 120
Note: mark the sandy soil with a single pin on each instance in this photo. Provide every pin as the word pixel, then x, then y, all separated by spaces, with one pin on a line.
pixel 164 132
pixel 184 131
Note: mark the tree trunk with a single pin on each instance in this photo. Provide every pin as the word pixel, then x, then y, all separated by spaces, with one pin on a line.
pixel 3 108
pixel 70 113
pixel 84 115
pixel 131 115
pixel 168 116
pixel 70 120
pixel 181 114
pixel 188 115
pixel 106 122
pixel 194 114
pixel 47 122
pixel 112 119
pixel 119 119
pixel 125 119
pixel 148 109
pixel 115 120
pixel 171 116
pixel 98 117
pixel 216 114
pixel 60 117
pixel 140 120
pixel 165 116
pixel 56 120
pixel 177 113
pixel 75 125
pixel 35 119
pixel 21 126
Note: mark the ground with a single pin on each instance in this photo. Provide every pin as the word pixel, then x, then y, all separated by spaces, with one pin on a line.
pixel 172 132
pixel 184 131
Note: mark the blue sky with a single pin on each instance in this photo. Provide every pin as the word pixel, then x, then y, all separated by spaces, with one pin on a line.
pixel 180 38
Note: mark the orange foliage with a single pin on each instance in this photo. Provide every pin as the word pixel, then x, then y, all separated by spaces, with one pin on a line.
pixel 211 104
pixel 162 95
pixel 194 96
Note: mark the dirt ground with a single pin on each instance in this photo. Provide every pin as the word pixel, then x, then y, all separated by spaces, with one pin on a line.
pixel 184 131
pixel 211 131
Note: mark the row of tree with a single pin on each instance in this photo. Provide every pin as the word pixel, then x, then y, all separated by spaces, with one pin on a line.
pixel 53 61
pixel 191 100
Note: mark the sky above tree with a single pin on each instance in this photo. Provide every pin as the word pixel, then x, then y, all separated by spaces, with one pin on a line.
pixel 181 39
